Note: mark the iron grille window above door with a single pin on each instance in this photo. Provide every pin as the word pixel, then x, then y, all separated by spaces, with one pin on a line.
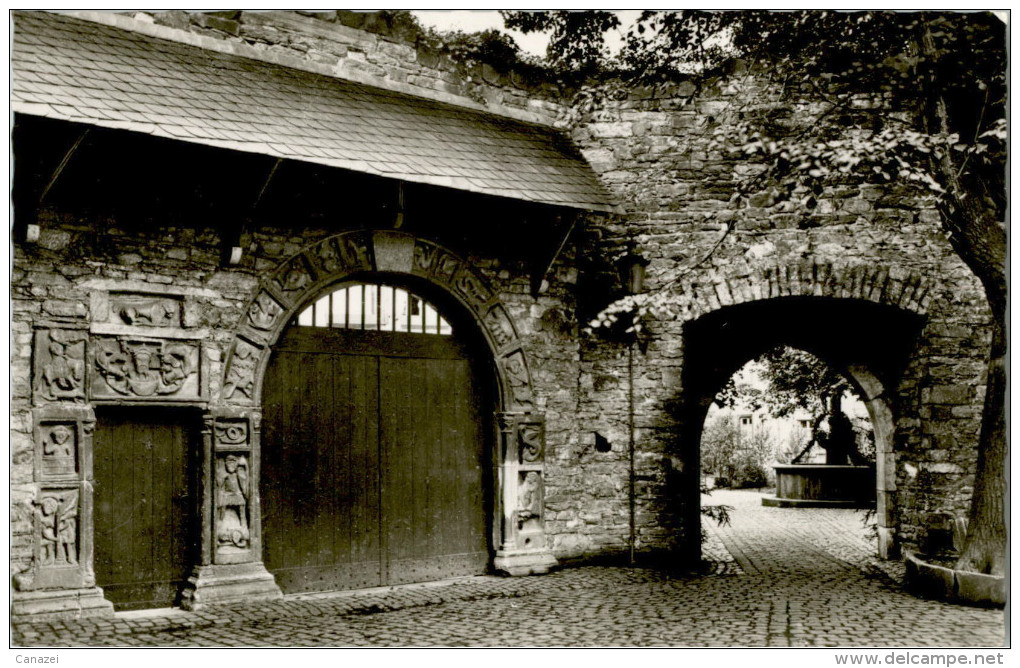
pixel 368 306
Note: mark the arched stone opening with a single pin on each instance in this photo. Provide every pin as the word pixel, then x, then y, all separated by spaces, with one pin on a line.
pixel 868 343
pixel 230 571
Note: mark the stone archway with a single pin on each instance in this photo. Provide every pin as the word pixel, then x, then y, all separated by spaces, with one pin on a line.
pixel 861 320
pixel 233 423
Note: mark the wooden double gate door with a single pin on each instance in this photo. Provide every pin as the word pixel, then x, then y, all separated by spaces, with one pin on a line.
pixel 375 464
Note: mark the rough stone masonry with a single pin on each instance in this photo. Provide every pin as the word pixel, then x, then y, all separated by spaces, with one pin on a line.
pixel 868 250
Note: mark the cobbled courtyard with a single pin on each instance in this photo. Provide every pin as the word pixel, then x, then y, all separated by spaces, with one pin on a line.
pixel 782 578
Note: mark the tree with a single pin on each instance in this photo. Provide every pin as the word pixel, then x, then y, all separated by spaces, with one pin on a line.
pixel 720 440
pixel 913 98
pixel 795 379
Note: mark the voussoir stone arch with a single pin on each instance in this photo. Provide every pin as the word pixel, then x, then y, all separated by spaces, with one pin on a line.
pixel 882 284
pixel 885 285
pixel 315 267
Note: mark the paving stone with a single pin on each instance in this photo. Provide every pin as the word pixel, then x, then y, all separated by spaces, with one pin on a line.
pixel 798 578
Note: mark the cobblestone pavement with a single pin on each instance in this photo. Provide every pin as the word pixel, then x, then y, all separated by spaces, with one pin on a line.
pixel 788 578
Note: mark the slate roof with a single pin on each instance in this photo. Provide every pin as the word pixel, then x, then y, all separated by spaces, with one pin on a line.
pixel 77 70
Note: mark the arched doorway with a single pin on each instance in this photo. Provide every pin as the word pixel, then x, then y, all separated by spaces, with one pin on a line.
pixel 377 441
pixel 868 343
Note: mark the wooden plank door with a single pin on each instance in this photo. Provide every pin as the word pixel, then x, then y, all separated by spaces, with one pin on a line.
pixel 374 450
pixel 145 528
pixel 320 457
pixel 433 481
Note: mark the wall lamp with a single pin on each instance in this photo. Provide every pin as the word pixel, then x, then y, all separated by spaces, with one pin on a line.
pixel 632 272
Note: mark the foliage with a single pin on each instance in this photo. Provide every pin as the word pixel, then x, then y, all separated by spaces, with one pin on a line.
pixel 865 437
pixel 866 83
pixel 718 513
pixel 794 379
pixel 737 459
pixel 720 441
pixel 797 380
pixel 576 39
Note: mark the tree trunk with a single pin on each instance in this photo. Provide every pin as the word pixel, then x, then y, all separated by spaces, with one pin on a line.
pixel 984 549
pixel 979 238
pixel 980 241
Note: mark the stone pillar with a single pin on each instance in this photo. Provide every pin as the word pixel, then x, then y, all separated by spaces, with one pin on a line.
pixel 884 425
pixel 230 567
pixel 61 582
pixel 522 546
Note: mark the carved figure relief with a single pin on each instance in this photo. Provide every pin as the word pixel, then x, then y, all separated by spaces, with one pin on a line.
pixel 58 450
pixel 232 502
pixel 241 376
pixel 529 499
pixel 530 439
pixel 328 257
pixel 263 311
pixel 61 365
pixel 294 276
pixel 445 266
pixel 147 311
pixel 517 376
pixel 355 253
pixel 145 368
pixel 57 518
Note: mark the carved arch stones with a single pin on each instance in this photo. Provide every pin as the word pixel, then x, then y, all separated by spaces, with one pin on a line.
pixel 336 258
pixel 521 546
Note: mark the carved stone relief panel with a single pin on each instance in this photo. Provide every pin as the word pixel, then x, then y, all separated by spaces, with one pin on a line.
pixel 145 310
pixel 424 256
pixel 434 262
pixel 56 521
pixel 529 501
pixel 233 490
pixel 343 254
pixel 57 541
pixel 59 370
pixel 146 370
pixel 264 311
pixel 498 324
pixel 327 257
pixel 294 276
pixel 517 377
pixel 355 252
pixel 231 434
pixel 445 266
pixel 531 441
pixel 233 437
pixel 472 288
pixel 57 505
pixel 57 450
pixel 240 379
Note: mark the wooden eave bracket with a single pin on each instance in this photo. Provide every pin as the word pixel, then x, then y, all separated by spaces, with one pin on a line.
pixel 544 262
pixel 232 248
pixel 30 217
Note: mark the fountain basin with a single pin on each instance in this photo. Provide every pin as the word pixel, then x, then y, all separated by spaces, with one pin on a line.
pixel 823 486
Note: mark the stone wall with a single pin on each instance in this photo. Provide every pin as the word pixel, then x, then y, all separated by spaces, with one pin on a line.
pixel 55 281
pixel 363 47
pixel 657 156
pixel 862 241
